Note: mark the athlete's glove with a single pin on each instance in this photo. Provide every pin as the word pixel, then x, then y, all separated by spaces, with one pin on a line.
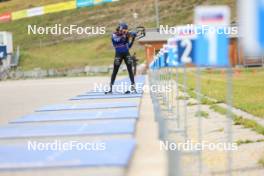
pixel 133 34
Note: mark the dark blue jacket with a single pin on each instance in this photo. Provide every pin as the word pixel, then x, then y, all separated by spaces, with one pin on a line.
pixel 121 42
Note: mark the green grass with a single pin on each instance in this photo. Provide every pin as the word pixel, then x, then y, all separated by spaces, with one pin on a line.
pixel 247 141
pixel 247 123
pixel 238 120
pixel 182 98
pixel 60 52
pixel 95 51
pixel 247 89
pixel 219 109
pixel 108 15
pixel 204 100
pixel 49 51
pixel 207 101
pixel 202 114
pixel 191 104
pixel 261 161
pixel 218 130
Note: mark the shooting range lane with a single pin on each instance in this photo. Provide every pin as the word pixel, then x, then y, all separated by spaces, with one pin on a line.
pixel 98 128
pixel 61 107
pixel 116 153
pixel 100 118
pixel 88 115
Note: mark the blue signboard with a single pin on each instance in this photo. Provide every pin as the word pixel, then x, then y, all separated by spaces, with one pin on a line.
pixel 159 62
pixel 165 55
pixel 251 15
pixel 172 60
pixel 178 51
pixel 155 64
pixel 84 3
pixel 3 52
pixel 260 12
pixel 186 48
pixel 211 45
pixel 107 1
pixel 162 60
pixel 211 49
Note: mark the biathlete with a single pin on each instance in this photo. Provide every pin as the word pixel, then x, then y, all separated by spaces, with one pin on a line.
pixel 122 41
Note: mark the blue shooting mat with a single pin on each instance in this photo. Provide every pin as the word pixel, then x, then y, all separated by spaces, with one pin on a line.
pixel 138 79
pixel 61 107
pixel 123 83
pixel 124 113
pixel 107 96
pixel 46 130
pixel 103 93
pixel 117 153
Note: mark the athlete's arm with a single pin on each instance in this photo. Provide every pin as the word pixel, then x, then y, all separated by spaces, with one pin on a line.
pixel 133 39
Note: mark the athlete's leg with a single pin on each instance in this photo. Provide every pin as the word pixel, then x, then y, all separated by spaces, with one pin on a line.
pixel 135 67
pixel 129 64
pixel 117 63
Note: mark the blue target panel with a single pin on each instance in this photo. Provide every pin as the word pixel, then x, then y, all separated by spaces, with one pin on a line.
pixel 116 153
pixel 260 17
pixel 108 96
pixel 61 107
pixel 186 50
pixel 211 50
pixel 3 52
pixel 251 15
pixel 44 130
pixel 123 113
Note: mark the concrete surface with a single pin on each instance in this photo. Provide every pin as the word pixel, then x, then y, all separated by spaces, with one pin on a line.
pixel 148 158
pixel 22 97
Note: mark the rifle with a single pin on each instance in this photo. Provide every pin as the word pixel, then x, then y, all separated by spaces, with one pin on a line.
pixel 140 32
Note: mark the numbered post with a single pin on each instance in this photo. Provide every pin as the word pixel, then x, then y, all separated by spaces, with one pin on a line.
pixel 185 46
pixel 211 50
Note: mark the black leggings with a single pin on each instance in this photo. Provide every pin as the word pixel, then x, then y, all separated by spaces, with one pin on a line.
pixel 119 57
